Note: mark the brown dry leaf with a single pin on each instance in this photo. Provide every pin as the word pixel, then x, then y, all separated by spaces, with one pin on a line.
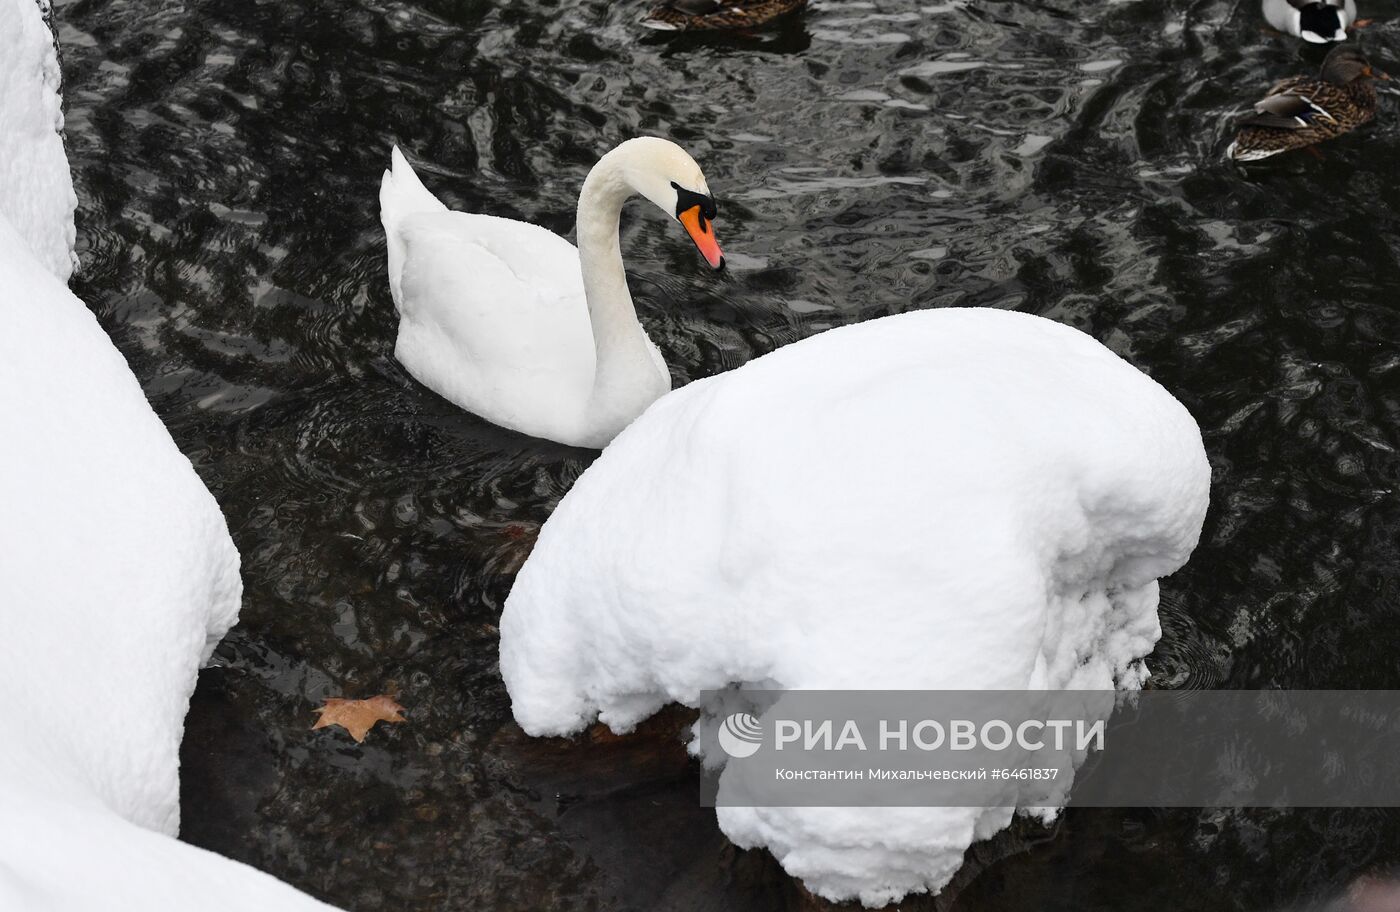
pixel 358 716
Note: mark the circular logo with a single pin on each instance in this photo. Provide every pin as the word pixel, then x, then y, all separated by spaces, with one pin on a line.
pixel 741 735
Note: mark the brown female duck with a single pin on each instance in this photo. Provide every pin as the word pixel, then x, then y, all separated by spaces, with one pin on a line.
pixel 694 15
pixel 1306 110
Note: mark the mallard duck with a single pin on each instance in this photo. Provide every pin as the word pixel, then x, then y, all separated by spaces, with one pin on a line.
pixel 696 15
pixel 1318 21
pixel 1306 110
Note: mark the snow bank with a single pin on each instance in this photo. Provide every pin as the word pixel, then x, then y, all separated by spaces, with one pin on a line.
pixel 67 856
pixel 953 499
pixel 117 577
pixel 36 189
pixel 117 573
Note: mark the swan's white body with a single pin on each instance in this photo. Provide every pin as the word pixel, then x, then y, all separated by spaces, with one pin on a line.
pixel 513 323
pixel 1293 17
pixel 950 499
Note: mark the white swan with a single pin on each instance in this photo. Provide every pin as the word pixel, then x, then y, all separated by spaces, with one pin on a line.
pixel 509 321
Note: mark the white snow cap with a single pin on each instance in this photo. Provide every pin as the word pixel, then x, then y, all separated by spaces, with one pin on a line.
pixel 948 499
pixel 117 578
pixel 36 189
pixel 117 572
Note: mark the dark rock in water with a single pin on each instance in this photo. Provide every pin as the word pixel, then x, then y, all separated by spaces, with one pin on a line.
pixel 634 799
pixel 226 763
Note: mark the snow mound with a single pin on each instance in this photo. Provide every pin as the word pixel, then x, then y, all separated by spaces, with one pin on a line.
pixel 68 856
pixel 117 578
pixel 950 499
pixel 36 188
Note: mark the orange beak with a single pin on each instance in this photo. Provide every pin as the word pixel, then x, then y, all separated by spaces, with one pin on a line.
pixel 702 232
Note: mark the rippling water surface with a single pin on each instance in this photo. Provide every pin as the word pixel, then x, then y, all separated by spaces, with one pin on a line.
pixel 1061 158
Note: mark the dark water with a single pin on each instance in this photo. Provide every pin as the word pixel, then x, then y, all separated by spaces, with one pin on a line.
pixel 1061 158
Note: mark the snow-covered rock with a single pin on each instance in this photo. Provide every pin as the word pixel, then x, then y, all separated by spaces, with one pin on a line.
pixel 64 855
pixel 117 578
pixel 118 575
pixel 951 499
pixel 117 572
pixel 36 188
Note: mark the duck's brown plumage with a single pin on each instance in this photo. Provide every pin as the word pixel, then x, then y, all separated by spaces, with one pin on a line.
pixel 694 15
pixel 1307 110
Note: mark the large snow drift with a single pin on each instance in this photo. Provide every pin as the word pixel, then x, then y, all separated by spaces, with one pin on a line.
pixel 117 577
pixel 36 189
pixel 117 573
pixel 953 499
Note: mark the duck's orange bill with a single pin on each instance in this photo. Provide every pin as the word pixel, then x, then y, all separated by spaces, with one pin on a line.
pixel 702 232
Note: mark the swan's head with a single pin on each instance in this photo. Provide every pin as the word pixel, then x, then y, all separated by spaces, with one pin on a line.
pixel 664 173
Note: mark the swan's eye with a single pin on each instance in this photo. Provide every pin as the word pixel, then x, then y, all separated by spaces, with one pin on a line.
pixel 689 199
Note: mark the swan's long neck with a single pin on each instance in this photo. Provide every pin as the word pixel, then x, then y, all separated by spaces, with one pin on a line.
pixel 625 378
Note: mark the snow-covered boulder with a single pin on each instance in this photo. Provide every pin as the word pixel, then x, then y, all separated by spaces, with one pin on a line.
pixel 117 572
pixel 117 578
pixel 36 188
pixel 65 855
pixel 118 575
pixel 951 499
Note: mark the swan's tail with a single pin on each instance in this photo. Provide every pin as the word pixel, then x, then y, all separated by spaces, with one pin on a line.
pixel 401 194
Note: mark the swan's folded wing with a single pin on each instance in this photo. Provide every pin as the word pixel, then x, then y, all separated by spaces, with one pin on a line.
pixel 502 297
pixel 454 259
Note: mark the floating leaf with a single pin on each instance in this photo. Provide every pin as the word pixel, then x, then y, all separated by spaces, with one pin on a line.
pixel 358 716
